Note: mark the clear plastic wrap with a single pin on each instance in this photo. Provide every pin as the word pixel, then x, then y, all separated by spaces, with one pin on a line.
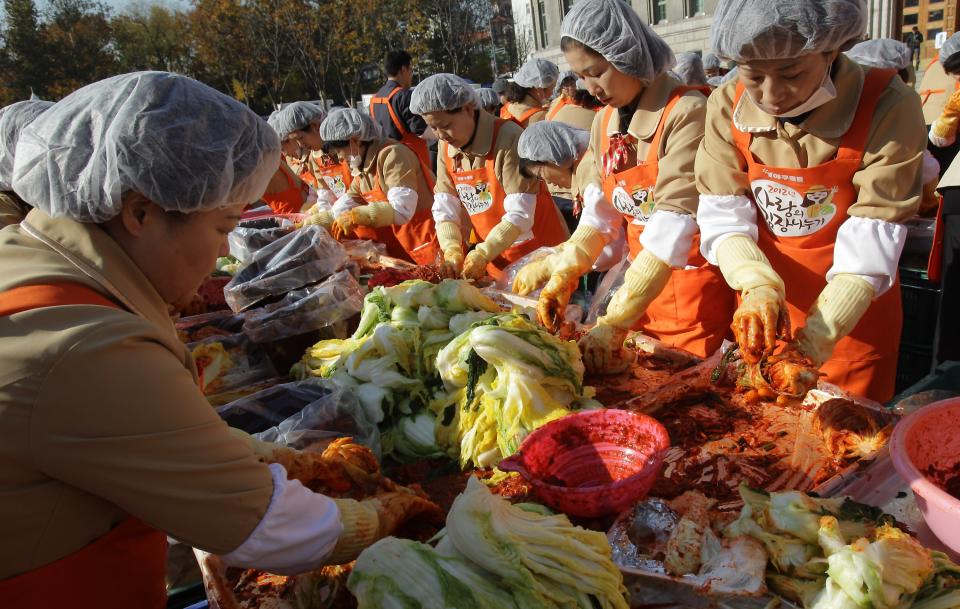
pixel 361 250
pixel 195 328
pixel 228 363
pixel 505 282
pixel 303 257
pixel 301 413
pixel 611 281
pixel 253 235
pixel 306 309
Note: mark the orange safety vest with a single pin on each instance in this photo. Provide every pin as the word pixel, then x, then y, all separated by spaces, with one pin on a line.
pixel 406 137
pixel 694 310
pixel 126 567
pixel 483 196
pixel 289 201
pixel 802 211
pixel 417 239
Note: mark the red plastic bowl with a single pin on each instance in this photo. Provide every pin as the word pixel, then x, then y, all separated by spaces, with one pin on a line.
pixel 931 436
pixel 593 463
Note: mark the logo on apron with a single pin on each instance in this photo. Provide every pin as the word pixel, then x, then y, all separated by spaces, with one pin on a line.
pixel 639 205
pixel 791 214
pixel 475 198
pixel 335 184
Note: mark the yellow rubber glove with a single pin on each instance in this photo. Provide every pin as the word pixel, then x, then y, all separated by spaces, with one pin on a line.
pixel 535 274
pixel 365 522
pixel 835 314
pixel 762 314
pixel 451 244
pixel 575 258
pixel 320 217
pixel 929 201
pixel 586 243
pixel 500 238
pixel 602 347
pixel 377 214
pixel 943 132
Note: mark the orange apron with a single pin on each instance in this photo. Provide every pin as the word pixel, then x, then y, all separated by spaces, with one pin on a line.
pixel 416 240
pixel 802 211
pixel 126 567
pixel 482 195
pixel 336 176
pixel 926 93
pixel 289 201
pixel 505 113
pixel 407 138
pixel 695 308
pixel 523 118
pixel 563 102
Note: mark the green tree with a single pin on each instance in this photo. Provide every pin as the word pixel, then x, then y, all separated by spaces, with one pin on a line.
pixel 23 64
pixel 153 37
pixel 79 46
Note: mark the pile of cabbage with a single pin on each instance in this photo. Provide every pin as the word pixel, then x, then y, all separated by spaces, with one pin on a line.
pixel 839 554
pixel 492 555
pixel 444 373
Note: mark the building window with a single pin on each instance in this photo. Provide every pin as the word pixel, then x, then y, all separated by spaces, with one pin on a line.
pixel 565 6
pixel 909 3
pixel 658 11
pixel 695 7
pixel 542 18
pixel 935 15
pixel 932 33
pixel 910 19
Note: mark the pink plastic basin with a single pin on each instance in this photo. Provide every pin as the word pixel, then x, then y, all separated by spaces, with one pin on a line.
pixel 592 463
pixel 931 436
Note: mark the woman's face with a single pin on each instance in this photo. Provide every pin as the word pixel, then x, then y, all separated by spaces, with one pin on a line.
pixel 609 85
pixel 291 148
pixel 561 176
pixel 176 252
pixel 454 128
pixel 310 137
pixel 780 85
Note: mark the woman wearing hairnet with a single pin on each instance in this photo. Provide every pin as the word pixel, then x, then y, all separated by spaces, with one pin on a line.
pixel 689 70
pixel 391 190
pixel 287 193
pixel 489 101
pixel 640 160
pixel 107 443
pixel 478 171
pixel 532 86
pixel 808 167
pixel 711 66
pixel 13 119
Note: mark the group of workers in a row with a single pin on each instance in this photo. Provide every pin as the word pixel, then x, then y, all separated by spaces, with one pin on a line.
pixel 786 186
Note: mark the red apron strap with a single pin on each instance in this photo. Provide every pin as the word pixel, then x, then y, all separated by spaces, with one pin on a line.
pixel 854 141
pixel 42 296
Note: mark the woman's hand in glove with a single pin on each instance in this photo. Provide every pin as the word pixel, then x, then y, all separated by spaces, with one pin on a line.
pixel 759 320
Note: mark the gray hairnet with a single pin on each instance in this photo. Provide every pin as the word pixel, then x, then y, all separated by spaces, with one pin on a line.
pixel 13 119
pixel 347 123
pixel 885 53
pixel 950 47
pixel 729 75
pixel 537 73
pixel 615 31
pixel 711 62
pixel 563 76
pixel 748 30
pixel 295 117
pixel 488 97
pixel 715 81
pixel 553 142
pixel 183 145
pixel 689 69
pixel 442 93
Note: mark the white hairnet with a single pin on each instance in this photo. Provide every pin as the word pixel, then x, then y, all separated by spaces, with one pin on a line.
pixel 885 53
pixel 488 98
pixel 689 69
pixel 950 47
pixel 711 62
pixel 13 119
pixel 442 93
pixel 748 30
pixel 715 81
pixel 537 73
pixel 729 75
pixel 183 145
pixel 553 142
pixel 563 76
pixel 295 117
pixel 347 123
pixel 614 30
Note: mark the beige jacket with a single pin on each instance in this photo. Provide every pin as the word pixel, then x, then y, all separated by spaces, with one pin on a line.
pixel 519 109
pixel 575 116
pixel 12 209
pixel 675 189
pixel 397 166
pixel 889 181
pixel 100 414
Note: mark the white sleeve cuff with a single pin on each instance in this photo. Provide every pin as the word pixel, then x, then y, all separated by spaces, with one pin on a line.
pixel 311 196
pixel 519 209
pixel 403 200
pixel 869 249
pixel 344 204
pixel 298 532
pixel 446 208
pixel 326 199
pixel 600 215
pixel 931 168
pixel 668 236
pixel 722 216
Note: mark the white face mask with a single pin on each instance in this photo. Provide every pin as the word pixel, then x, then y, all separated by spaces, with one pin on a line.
pixel 824 94
pixel 355 161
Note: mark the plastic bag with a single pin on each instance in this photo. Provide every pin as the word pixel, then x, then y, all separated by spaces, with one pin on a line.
pixel 306 309
pixel 301 258
pixel 505 282
pixel 610 283
pixel 246 363
pixel 300 413
pixel 253 235
pixel 367 252
pixel 207 325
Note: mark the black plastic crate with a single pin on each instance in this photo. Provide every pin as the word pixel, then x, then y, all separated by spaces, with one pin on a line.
pixel 946 377
pixel 921 300
pixel 913 364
